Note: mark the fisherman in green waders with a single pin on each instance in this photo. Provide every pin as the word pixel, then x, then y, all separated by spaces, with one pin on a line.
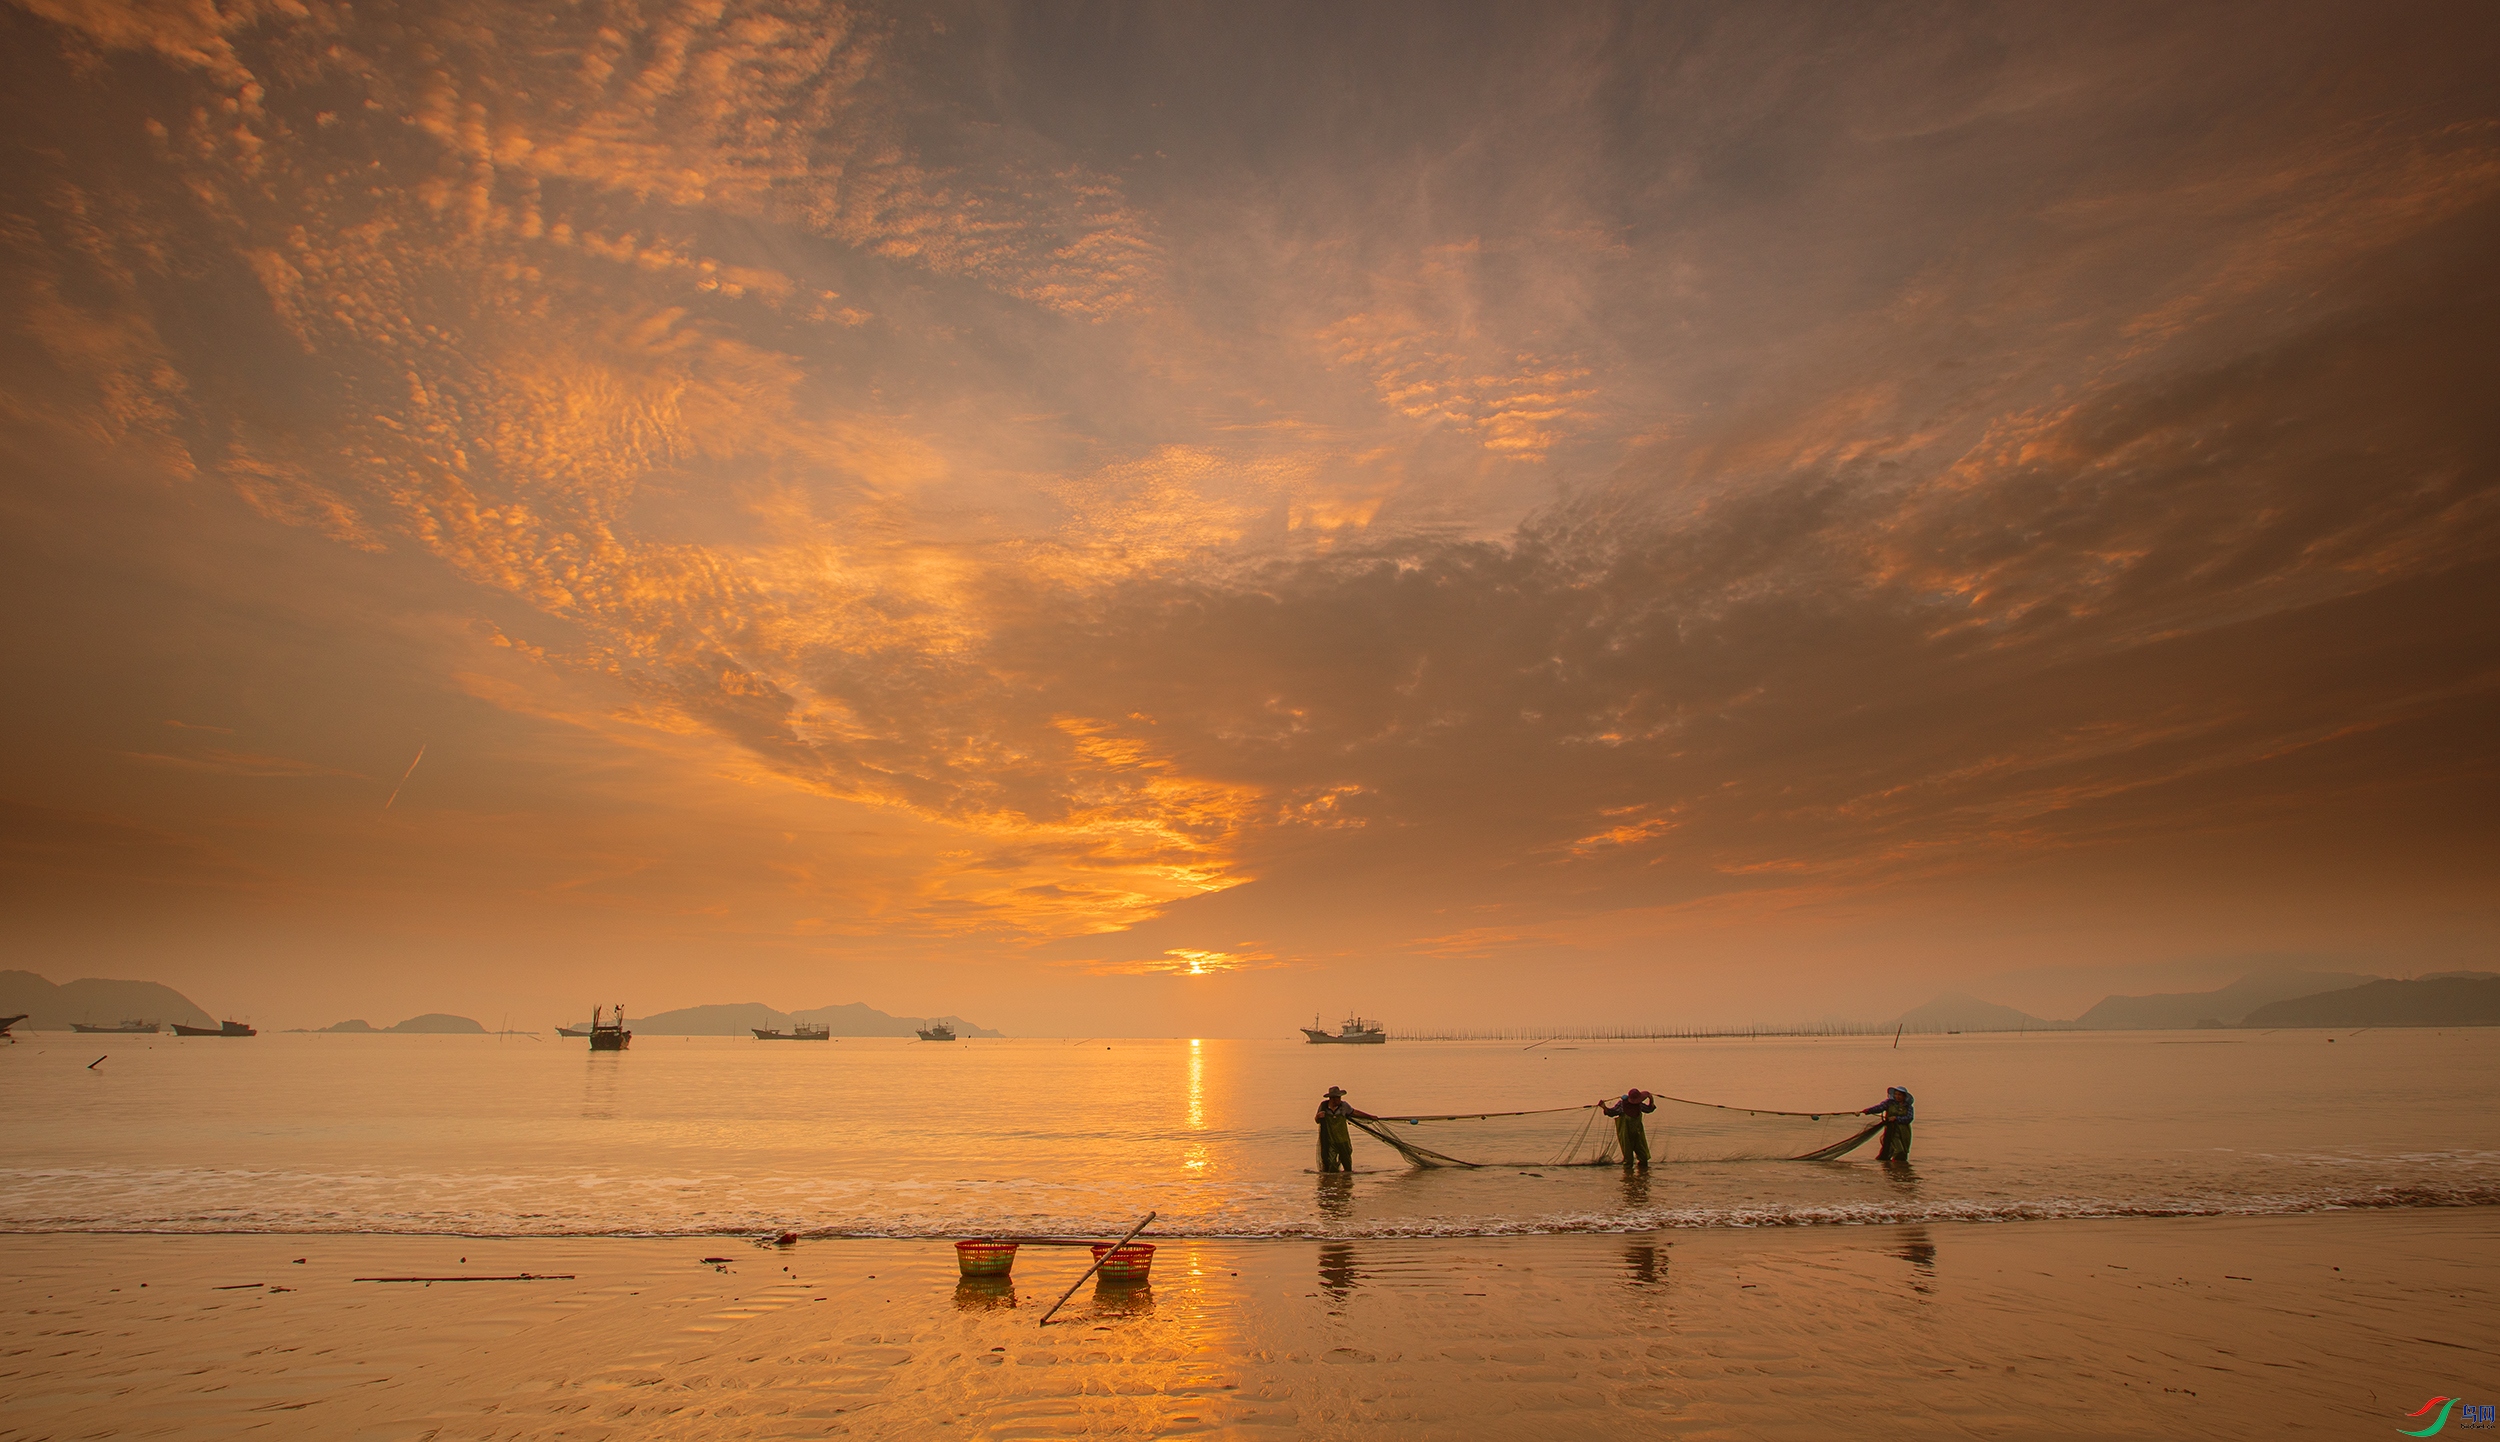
pixel 1631 1134
pixel 1898 1109
pixel 1336 1142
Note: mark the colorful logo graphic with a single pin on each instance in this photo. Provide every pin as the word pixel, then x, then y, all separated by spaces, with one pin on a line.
pixel 2471 1415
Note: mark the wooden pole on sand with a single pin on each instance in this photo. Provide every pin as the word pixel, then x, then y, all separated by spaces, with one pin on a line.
pixel 1098 1261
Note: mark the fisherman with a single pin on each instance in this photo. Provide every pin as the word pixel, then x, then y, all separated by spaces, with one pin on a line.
pixel 1898 1109
pixel 1336 1143
pixel 1631 1135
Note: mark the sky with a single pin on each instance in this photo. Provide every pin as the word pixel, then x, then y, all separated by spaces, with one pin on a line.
pixel 1166 519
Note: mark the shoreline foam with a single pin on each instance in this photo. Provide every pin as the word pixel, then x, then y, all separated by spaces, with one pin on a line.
pixel 1741 1218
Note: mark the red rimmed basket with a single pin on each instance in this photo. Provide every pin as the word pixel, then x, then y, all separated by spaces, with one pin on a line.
pixel 1129 1264
pixel 982 1258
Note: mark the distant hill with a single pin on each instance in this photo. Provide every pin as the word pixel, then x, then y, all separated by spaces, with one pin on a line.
pixel 2431 1001
pixel 860 1019
pixel 1955 1011
pixel 739 1018
pixel 2226 1005
pixel 436 1023
pixel 53 1008
pixel 720 1019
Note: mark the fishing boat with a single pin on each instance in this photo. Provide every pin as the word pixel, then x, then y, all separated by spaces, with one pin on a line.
pixel 231 1028
pixel 573 1031
pixel 609 1035
pixel 9 1021
pixel 1355 1032
pixel 937 1031
pixel 804 1031
pixel 127 1028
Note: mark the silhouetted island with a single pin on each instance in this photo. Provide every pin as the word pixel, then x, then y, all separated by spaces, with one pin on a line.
pixel 56 1008
pixel 741 1018
pixel 435 1023
pixel 2237 1003
pixel 2461 999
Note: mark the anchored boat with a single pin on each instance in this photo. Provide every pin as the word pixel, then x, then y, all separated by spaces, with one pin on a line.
pixel 609 1035
pixel 1355 1032
pixel 127 1028
pixel 937 1031
pixel 804 1031
pixel 232 1028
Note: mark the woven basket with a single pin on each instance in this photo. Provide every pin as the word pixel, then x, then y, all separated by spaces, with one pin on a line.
pixel 985 1259
pixel 1128 1264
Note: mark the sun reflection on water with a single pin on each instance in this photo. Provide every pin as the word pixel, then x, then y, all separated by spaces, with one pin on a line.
pixel 1194 1157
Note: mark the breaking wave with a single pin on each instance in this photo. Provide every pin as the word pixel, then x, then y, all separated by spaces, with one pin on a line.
pixel 54 1202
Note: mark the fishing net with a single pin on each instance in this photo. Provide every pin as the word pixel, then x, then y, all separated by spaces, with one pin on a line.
pixel 1584 1136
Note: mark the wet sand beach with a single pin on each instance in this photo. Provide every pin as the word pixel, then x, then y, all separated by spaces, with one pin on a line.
pixel 2324 1325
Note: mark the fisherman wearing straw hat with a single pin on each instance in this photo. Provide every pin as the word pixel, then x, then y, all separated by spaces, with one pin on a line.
pixel 1899 1109
pixel 1631 1136
pixel 1336 1142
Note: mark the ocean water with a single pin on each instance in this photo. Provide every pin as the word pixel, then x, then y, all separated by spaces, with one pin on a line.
pixel 514 1136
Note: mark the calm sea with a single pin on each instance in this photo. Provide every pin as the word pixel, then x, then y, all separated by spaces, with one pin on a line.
pixel 514 1136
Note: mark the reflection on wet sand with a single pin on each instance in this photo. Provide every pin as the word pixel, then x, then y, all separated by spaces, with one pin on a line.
pixel 1919 1250
pixel 1338 1274
pixel 984 1294
pixel 1116 1298
pixel 1643 1259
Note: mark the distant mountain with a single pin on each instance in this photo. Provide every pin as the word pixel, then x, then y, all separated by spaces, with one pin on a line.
pixel 724 1019
pixel 1955 1011
pixel 2430 1001
pixel 359 1024
pixel 739 1018
pixel 53 1008
pixel 860 1019
pixel 2223 1006
pixel 436 1023
pixel 2228 1004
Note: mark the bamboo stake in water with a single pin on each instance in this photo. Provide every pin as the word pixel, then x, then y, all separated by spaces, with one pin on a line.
pixel 1098 1261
